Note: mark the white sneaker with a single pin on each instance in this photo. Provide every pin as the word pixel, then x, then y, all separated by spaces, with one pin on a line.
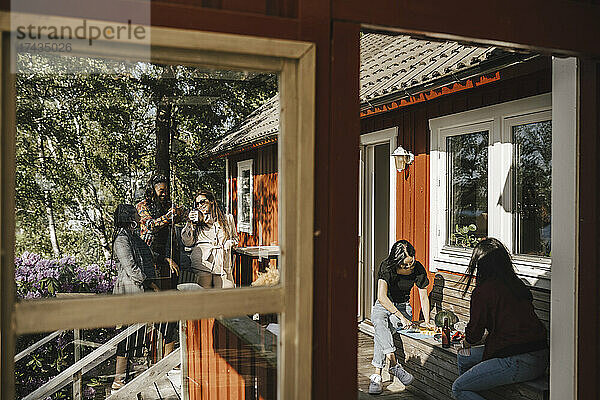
pixel 405 377
pixel 375 386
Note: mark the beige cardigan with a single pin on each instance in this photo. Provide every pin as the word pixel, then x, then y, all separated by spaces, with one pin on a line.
pixel 209 246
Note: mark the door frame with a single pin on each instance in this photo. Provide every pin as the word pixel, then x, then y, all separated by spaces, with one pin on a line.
pixel 389 135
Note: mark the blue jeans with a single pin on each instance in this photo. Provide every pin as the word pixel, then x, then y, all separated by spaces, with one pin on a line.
pixel 477 375
pixel 386 324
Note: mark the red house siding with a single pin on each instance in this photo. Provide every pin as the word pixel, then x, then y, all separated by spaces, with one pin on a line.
pixel 221 366
pixel 265 198
pixel 412 192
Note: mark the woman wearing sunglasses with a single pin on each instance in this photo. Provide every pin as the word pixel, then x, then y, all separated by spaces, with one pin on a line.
pixel 211 234
pixel 398 273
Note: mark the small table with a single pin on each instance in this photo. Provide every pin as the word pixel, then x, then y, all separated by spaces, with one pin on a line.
pixel 243 270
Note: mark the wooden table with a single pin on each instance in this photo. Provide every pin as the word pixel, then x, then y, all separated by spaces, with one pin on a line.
pixel 243 265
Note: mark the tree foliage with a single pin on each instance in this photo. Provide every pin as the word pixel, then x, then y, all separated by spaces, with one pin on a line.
pixel 87 141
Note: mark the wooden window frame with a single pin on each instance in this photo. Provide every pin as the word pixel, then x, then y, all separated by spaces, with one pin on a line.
pixel 241 166
pixel 292 299
pixel 497 120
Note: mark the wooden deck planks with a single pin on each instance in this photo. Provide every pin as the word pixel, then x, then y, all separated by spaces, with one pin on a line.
pixel 392 390
pixel 434 369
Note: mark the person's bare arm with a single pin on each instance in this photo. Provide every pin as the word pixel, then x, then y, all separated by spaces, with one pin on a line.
pixel 425 306
pixel 385 301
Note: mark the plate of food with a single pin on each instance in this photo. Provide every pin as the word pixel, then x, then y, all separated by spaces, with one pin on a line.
pixel 426 330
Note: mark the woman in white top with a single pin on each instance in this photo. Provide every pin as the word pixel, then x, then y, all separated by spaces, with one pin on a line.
pixel 211 234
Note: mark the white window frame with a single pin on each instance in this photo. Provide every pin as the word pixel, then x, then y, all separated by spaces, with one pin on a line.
pixel 366 197
pixel 390 136
pixel 295 62
pixel 498 120
pixel 242 166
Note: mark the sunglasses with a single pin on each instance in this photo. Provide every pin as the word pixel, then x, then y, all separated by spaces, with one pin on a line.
pixel 202 202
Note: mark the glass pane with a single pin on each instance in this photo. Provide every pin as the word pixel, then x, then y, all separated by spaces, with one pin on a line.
pixel 126 178
pixel 533 187
pixel 246 196
pixel 467 188
pixel 209 359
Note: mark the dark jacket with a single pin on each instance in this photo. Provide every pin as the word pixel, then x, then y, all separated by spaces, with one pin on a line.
pixel 512 325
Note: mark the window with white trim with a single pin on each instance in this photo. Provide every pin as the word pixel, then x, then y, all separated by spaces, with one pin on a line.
pixel 294 62
pixel 491 175
pixel 244 195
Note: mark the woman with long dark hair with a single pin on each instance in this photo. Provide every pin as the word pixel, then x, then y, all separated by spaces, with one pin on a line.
pixel 398 273
pixel 134 259
pixel 135 273
pixel 516 348
pixel 212 235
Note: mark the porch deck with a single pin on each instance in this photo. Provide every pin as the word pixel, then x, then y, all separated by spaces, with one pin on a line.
pixel 391 389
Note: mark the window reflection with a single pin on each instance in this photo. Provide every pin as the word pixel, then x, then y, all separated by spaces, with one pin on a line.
pixel 468 188
pixel 533 187
pixel 211 358
pixel 110 158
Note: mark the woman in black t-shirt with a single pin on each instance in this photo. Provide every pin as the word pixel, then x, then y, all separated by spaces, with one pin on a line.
pixel 397 275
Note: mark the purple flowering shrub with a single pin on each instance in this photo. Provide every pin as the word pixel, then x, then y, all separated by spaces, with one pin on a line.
pixel 52 358
pixel 38 277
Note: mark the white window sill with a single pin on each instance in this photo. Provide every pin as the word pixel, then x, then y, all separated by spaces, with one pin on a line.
pixel 535 270
pixel 245 228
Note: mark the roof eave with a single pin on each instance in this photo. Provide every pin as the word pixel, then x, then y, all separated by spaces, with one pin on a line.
pixel 469 73
pixel 243 148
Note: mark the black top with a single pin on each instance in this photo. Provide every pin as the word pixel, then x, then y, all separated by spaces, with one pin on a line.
pixel 399 286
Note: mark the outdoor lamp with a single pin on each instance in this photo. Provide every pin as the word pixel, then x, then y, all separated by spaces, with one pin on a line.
pixel 402 158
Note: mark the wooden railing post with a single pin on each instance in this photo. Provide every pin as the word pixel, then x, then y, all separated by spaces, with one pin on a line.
pixel 77 375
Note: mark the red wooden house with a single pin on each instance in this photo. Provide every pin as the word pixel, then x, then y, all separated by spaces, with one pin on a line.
pixel 432 98
pixel 250 152
pixel 407 84
pixel 559 28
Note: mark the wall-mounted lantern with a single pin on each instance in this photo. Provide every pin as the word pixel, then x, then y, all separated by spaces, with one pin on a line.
pixel 402 158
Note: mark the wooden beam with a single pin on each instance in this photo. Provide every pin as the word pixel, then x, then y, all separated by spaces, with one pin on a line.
pixel 151 375
pixel 7 213
pixel 588 362
pixel 343 212
pixel 523 24
pixel 163 13
pixel 192 17
pixel 50 314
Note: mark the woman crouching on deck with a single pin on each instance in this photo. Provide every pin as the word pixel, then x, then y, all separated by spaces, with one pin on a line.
pixel 516 348
pixel 397 275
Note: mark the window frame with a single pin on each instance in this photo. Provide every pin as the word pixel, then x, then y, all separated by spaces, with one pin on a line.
pixel 241 167
pixel 498 121
pixel 510 217
pixel 295 62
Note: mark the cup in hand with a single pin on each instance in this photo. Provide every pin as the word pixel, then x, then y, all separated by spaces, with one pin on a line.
pixel 194 216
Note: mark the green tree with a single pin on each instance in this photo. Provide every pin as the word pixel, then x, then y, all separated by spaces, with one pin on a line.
pixel 88 141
